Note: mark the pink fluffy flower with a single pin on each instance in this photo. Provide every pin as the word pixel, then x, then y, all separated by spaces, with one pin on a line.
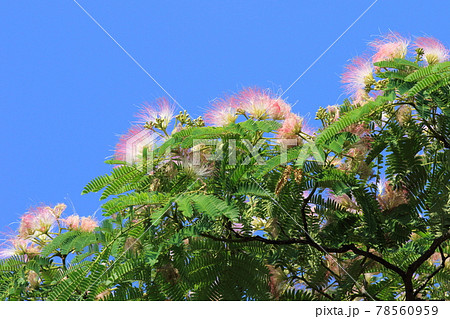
pixel 262 104
pixel 361 97
pixel 72 222
pixel 255 102
pixel 359 129
pixel 359 150
pixel 388 198
pixel 194 169
pixel 88 224
pixel 389 47
pixel 37 219
pixel 223 112
pixel 291 126
pixel 19 246
pixel 288 134
pixel 278 109
pixel 434 50
pixel 334 111
pixel 358 74
pixel 27 225
pixel 160 109
pixel 346 202
pixel 59 209
pixel 120 152
pixel 45 220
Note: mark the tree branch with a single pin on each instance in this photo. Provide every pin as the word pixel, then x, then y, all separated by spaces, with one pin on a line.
pixel 427 254
pixel 430 277
pixel 302 210
pixel 342 249
pixel 323 293
pixel 245 239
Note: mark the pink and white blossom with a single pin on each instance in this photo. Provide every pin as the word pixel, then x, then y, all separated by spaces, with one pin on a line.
pixel 361 97
pixel 389 198
pixel 389 47
pixel 222 113
pixel 434 50
pixel 27 225
pixel 278 109
pixel 72 222
pixel 261 104
pixel 334 112
pixel 88 224
pixel 45 220
pixel 254 102
pixel 196 170
pixel 59 209
pixel 120 152
pixel 38 219
pixel 291 127
pixel 288 134
pixel 160 109
pixel 346 202
pixel 358 75
pixel 19 246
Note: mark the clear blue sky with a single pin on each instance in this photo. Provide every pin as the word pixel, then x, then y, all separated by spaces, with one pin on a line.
pixel 67 90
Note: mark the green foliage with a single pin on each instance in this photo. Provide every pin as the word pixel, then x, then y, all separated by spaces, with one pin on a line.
pixel 357 211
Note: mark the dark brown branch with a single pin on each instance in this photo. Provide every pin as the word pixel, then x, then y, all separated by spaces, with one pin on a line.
pixel 434 273
pixel 441 266
pixel 244 239
pixel 357 251
pixel 342 249
pixel 323 293
pixel 434 133
pixel 335 275
pixel 406 276
pixel 437 135
pixel 427 254
pixel 305 203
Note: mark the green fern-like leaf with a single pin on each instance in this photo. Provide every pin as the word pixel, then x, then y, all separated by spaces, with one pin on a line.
pixel 133 199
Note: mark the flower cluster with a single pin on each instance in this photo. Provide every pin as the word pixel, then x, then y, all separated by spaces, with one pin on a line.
pixel 433 50
pixel 359 76
pixel 154 121
pixel 151 116
pixel 290 129
pixel 223 112
pixel 258 104
pixel 389 198
pixel 363 81
pixel 39 220
pixel 37 228
pixel 346 202
pixel 85 224
pixel 159 114
pixel 121 149
pixel 390 46
pixel 19 246
pixel 253 103
pixel 261 104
